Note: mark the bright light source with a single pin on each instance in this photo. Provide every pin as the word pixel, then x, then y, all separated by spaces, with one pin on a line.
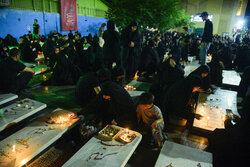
pixel 240 24
pixel 23 162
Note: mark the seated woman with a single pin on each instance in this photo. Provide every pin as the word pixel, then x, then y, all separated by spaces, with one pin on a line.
pixel 88 86
pixel 203 72
pixel 169 72
pixel 216 66
pixel 112 105
pixel 149 59
pixel 178 102
pixel 10 67
pixel 64 71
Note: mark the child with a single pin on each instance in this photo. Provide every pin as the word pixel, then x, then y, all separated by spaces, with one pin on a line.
pixel 151 116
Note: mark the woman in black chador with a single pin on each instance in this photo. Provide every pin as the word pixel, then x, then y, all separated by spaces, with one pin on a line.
pixel 179 102
pixel 111 46
pixel 131 40
pixel 203 72
pixel 149 59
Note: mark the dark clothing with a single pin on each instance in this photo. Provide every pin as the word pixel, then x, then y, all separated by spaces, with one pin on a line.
pixel 242 57
pixel 65 72
pixel 149 60
pixel 228 145
pixel 131 55
pixel 227 57
pixel 178 100
pixel 48 50
pixel 208 32
pixel 205 81
pixel 170 75
pixel 85 92
pixel 120 107
pixel 216 69
pixel 10 81
pixel 244 83
pixel 161 48
pixel 111 48
pixel 185 46
pixel 35 28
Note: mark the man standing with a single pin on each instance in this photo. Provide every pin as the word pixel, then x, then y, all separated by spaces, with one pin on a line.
pixel 36 30
pixel 184 42
pixel 206 37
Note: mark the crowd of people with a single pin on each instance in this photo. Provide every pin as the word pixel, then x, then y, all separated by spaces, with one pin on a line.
pixel 99 66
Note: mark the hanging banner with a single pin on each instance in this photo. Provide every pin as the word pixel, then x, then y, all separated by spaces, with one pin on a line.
pixel 68 15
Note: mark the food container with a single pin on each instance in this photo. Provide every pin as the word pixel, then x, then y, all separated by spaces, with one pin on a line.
pixel 109 132
pixel 126 137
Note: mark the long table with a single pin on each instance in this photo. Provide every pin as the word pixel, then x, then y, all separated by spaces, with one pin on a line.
pixel 30 141
pixel 5 98
pixel 176 155
pixel 97 152
pixel 19 111
pixel 213 108
pixel 231 77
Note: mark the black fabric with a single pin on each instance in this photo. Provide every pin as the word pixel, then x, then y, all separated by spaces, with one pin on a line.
pixel 161 48
pixel 178 101
pixel 121 103
pixel 228 145
pixel 84 91
pixel 205 81
pixel 170 75
pixel 35 28
pixel 244 83
pixel 9 70
pixel 131 55
pixel 111 48
pixel 21 82
pixel 208 32
pixel 65 72
pixel 149 60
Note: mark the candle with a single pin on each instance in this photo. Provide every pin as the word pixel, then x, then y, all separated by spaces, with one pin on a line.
pixel 46 88
pixel 14 148
pixel 126 130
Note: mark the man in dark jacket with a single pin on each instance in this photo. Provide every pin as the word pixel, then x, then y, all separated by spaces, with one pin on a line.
pixel 206 37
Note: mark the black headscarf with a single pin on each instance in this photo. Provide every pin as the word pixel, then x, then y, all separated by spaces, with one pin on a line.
pixel 205 81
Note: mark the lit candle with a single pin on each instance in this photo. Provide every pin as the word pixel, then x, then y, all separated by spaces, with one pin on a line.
pixel 14 148
pixel 46 88
pixel 126 130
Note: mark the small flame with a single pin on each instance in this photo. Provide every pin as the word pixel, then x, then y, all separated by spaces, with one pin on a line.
pixel 136 76
pixel 13 148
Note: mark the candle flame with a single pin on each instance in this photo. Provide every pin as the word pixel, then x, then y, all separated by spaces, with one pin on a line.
pixel 13 148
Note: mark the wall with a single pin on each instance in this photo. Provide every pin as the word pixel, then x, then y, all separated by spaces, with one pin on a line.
pixel 223 11
pixel 19 17
pixel 18 22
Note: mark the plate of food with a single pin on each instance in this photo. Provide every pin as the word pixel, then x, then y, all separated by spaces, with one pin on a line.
pixel 109 132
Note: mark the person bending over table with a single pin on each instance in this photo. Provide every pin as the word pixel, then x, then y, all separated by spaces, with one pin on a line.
pixel 14 74
pixel 203 72
pixel 179 100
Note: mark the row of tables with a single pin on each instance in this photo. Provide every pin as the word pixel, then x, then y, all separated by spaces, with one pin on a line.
pixel 37 136
pixel 28 142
